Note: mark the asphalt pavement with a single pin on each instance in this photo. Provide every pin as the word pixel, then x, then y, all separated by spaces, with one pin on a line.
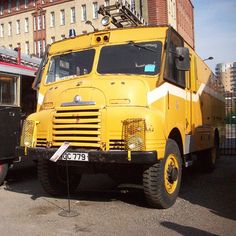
pixel 206 206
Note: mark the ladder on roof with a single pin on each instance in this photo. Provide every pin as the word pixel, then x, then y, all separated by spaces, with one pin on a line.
pixel 122 15
pixel 12 56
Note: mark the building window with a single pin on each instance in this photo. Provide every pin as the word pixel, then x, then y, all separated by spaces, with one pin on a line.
pixel 83 13
pixel 18 27
pixel 9 28
pixel 132 4
pixel 9 6
pixel 72 15
pixel 39 23
pixel 95 10
pixel 26 3
pixel 62 16
pixel 17 5
pixel 35 48
pixel 1 9
pixel 52 19
pixel 27 51
pixel 53 39
pixel 2 30
pixel 44 45
pixel 43 21
pixel 107 3
pixel 26 25
pixel 40 48
pixel 35 21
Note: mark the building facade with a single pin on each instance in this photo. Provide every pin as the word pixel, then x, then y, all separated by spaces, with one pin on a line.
pixel 32 24
pixel 177 13
pixel 226 72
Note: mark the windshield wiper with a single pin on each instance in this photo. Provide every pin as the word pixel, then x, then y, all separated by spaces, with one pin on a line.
pixel 142 47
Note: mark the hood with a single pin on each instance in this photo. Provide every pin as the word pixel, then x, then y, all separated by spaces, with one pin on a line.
pixel 100 92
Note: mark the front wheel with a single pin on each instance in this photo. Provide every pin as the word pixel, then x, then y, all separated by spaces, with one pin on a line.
pixel 3 172
pixel 161 181
pixel 53 177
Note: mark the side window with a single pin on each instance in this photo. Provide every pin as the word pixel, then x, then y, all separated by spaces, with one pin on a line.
pixel 171 73
pixel 8 91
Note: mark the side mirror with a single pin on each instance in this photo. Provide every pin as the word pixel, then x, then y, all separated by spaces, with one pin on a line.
pixel 182 60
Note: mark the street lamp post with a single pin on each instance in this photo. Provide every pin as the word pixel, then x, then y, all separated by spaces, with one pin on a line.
pixel 209 58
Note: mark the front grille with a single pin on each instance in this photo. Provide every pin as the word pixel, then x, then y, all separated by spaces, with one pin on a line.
pixel 41 142
pixel 80 127
pixel 116 144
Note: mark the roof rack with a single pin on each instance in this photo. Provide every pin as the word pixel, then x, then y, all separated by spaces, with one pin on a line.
pixel 16 57
pixel 122 15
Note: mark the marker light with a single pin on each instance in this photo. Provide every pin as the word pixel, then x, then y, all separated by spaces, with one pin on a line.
pixel 106 21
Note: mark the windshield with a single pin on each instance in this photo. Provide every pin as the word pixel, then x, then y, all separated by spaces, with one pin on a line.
pixel 69 65
pixel 132 58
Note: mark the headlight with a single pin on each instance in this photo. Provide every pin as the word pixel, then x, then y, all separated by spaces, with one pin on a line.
pixel 135 143
pixel 28 133
pixel 134 134
pixel 106 20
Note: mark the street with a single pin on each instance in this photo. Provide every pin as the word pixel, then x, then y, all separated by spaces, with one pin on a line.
pixel 206 206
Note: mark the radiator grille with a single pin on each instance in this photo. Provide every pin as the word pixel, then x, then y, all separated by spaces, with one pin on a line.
pixel 41 142
pixel 80 127
pixel 116 144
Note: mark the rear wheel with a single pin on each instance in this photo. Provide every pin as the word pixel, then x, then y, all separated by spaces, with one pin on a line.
pixel 54 180
pixel 161 181
pixel 209 157
pixel 3 172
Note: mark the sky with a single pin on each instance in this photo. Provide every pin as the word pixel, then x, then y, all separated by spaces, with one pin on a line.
pixel 215 30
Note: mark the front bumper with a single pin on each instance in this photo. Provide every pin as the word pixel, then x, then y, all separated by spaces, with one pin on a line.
pixel 136 157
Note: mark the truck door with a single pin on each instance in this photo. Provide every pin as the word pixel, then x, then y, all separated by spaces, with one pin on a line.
pixel 9 115
pixel 190 90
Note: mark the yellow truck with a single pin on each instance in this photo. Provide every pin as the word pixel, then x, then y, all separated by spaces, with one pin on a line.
pixel 137 103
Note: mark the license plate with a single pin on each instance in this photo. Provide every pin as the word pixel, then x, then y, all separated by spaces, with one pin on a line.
pixel 75 156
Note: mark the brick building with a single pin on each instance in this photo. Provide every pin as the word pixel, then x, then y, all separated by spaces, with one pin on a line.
pixel 32 24
pixel 177 13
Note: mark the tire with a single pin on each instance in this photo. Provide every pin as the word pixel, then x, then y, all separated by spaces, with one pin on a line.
pixel 209 158
pixel 53 178
pixel 161 181
pixel 3 172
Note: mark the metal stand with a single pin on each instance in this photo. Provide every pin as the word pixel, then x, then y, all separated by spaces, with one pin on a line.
pixel 69 212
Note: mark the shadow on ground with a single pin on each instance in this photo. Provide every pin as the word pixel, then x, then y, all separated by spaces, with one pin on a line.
pixel 185 230
pixel 99 188
pixel 215 191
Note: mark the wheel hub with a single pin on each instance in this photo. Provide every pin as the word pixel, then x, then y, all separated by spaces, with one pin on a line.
pixel 172 174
